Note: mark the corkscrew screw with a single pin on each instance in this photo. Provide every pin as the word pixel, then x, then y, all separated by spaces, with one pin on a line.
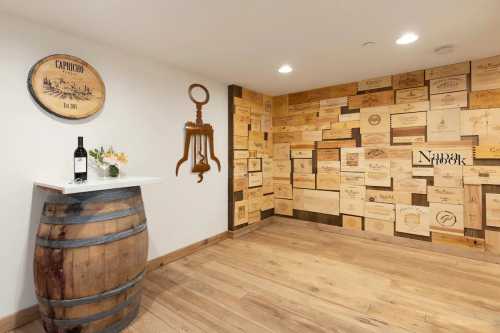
pixel 202 136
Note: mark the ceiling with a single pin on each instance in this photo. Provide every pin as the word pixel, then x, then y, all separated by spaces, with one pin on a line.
pixel 245 41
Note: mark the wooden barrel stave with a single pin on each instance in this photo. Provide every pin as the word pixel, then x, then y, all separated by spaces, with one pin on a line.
pixel 72 273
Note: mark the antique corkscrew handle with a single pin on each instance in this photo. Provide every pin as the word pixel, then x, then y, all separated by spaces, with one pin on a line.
pixel 199 104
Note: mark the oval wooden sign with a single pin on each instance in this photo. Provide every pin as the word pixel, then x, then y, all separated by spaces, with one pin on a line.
pixel 66 86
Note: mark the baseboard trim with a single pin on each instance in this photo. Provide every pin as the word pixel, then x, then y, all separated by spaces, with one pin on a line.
pixel 251 227
pixel 19 319
pixel 401 241
pixel 30 314
pixel 185 251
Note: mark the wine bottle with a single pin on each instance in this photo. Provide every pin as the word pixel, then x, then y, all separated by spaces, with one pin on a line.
pixel 80 161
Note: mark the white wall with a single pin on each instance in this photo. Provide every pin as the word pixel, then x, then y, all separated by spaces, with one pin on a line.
pixel 146 107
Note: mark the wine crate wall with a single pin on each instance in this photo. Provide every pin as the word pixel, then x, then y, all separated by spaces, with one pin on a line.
pixel 250 150
pixel 413 155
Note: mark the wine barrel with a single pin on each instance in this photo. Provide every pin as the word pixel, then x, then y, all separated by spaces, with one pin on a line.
pixel 90 258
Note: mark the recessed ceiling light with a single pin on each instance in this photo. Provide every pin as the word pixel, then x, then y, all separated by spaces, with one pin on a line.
pixel 445 49
pixel 407 38
pixel 285 69
pixel 369 43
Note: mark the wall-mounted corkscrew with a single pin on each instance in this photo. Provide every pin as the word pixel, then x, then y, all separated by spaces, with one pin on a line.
pixel 200 133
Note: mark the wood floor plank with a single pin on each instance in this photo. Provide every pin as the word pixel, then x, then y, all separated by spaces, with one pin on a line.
pixel 289 277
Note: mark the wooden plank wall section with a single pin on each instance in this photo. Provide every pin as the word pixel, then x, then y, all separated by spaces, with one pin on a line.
pixel 411 155
pixel 251 198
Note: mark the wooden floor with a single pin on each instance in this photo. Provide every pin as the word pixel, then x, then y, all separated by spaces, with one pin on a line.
pixel 291 278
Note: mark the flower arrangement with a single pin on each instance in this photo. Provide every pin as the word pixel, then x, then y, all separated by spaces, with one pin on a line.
pixel 109 160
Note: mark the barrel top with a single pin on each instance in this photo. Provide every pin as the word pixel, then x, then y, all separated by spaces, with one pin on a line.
pixel 69 187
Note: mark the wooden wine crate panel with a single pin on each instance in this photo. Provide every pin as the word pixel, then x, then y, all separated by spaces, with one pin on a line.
pixel 283 191
pixel 337 131
pixel 302 165
pixel 481 174
pixel 375 139
pixel 493 210
pixel 335 91
pixel 254 217
pixel 240 142
pixel 352 222
pixel 443 125
pixel 409 107
pixel 473 207
pixel 327 166
pixel 474 122
pixel 254 164
pixel 253 193
pixel 307 181
pixel 267 184
pixel 382 196
pixel 448 176
pixel 255 141
pixel 412 119
pixel 240 167
pixel 401 169
pixel 446 195
pixel 375 83
pixel 311 136
pixel 446 218
pixel 422 172
pixel 487 151
pixel 449 100
pixel 329 113
pixel 449 153
pixel 375 120
pixel 240 154
pixel 282 168
pixel 336 144
pixel 280 105
pixel 328 180
pixel 379 226
pixel 492 239
pixel 283 207
pixel 485 74
pixel 404 198
pixel 412 95
pixel 301 153
pixel 240 183
pixel 253 97
pixel 447 70
pixel 254 205
pixel 377 153
pixel 371 99
pixel 281 151
pixel 333 102
pixel 289 121
pixel 328 154
pixel 318 124
pixel 413 219
pixel 267 166
pixel 380 211
pixel 352 159
pixel 304 108
pixel 448 84
pixel 412 185
pixel 378 173
pixel 256 123
pixel 352 178
pixel 240 212
pixel 287 137
pixel 408 80
pixel 484 99
pixel 254 179
pixel 352 199
pixel 242 102
pixel 267 202
pixel 458 240
pixel 401 136
pixel 354 116
pixel 324 202
pixel 241 120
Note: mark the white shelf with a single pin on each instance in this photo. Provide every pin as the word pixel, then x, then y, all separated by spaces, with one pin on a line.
pixel 68 187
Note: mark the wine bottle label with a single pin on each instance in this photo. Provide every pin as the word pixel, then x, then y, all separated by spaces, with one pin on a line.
pixel 80 164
